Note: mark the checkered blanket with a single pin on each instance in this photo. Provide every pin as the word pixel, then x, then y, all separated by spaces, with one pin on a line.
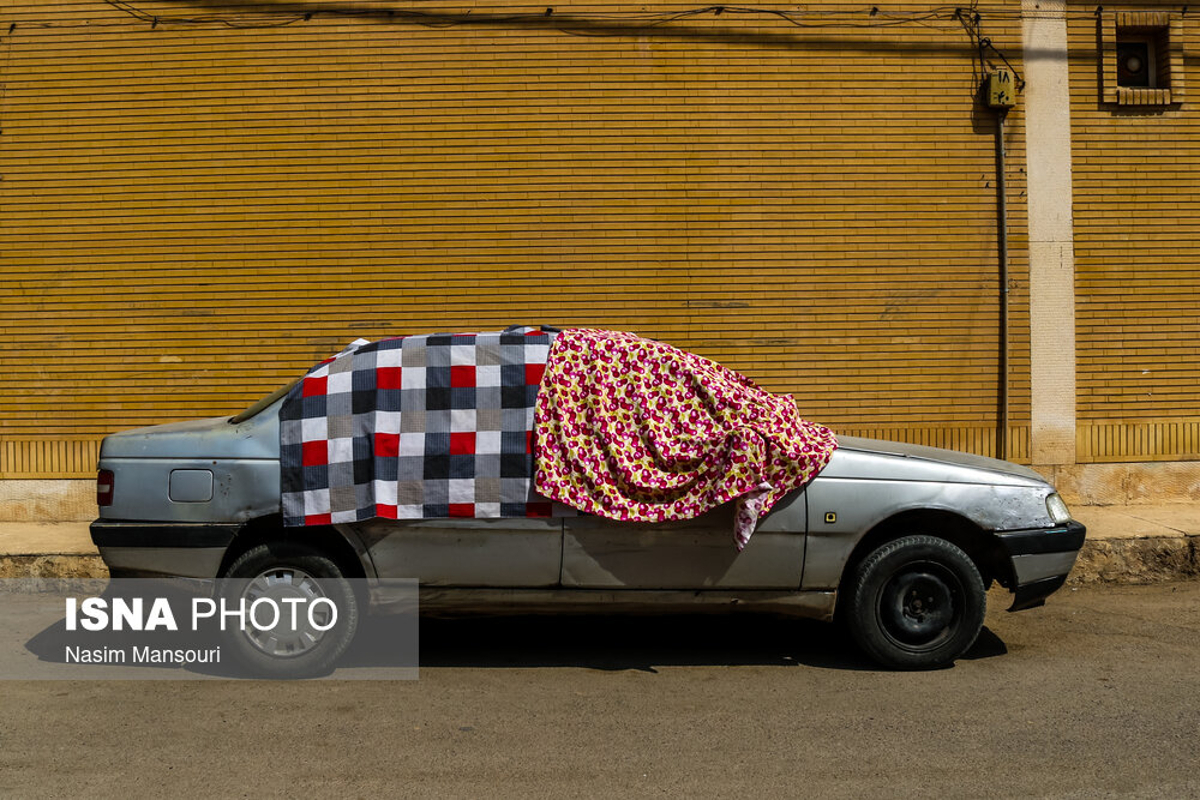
pixel 417 426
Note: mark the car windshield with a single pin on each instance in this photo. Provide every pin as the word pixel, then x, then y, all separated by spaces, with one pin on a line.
pixel 262 404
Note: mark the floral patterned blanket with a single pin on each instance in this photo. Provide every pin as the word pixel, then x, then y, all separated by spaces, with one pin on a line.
pixel 636 430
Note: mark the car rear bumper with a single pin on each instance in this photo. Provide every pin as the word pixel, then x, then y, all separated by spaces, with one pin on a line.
pixel 1041 560
pixel 189 550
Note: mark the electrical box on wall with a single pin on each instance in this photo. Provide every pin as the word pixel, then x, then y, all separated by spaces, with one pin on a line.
pixel 1001 89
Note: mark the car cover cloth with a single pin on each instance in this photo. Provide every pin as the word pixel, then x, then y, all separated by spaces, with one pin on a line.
pixel 414 427
pixel 636 430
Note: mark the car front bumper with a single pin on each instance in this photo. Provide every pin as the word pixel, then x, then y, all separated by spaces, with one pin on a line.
pixel 1041 560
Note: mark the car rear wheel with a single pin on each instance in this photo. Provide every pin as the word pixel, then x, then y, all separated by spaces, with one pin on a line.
pixel 916 603
pixel 291 576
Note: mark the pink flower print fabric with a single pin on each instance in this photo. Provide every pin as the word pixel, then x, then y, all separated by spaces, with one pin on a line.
pixel 639 431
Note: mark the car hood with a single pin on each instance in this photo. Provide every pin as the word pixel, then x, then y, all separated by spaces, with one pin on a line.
pixel 883 460
pixel 255 438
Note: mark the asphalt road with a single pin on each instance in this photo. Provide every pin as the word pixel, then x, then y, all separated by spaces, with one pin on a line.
pixel 1095 695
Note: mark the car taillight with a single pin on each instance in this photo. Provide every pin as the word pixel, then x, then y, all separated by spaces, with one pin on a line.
pixel 104 487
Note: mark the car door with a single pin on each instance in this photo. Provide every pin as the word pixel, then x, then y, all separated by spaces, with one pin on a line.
pixel 505 552
pixel 696 553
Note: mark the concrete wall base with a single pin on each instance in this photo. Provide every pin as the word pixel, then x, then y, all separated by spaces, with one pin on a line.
pixel 1126 484
pixel 1080 484
pixel 48 500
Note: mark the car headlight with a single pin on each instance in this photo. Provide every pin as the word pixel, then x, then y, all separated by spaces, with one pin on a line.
pixel 1058 509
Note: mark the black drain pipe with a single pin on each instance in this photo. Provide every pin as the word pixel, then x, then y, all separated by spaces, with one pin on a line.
pixel 1002 247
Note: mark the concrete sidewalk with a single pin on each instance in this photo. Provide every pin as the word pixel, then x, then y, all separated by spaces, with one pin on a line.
pixel 1125 544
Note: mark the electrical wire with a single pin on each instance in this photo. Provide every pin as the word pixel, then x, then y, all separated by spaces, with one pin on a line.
pixel 848 18
pixel 970 17
pixel 242 21
pixel 875 18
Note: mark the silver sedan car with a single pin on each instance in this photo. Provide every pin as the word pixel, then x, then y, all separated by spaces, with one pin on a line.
pixel 899 542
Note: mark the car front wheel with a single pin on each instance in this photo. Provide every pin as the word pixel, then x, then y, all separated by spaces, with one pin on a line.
pixel 916 603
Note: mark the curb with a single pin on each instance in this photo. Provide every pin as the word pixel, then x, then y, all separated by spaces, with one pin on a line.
pixel 1148 559
pixel 52 565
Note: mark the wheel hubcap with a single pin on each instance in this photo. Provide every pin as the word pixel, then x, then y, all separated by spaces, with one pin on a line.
pixel 919 606
pixel 283 640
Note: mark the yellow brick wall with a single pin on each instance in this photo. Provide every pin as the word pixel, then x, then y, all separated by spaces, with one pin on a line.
pixel 1137 259
pixel 192 214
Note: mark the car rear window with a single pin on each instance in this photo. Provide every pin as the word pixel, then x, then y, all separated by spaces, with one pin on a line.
pixel 262 404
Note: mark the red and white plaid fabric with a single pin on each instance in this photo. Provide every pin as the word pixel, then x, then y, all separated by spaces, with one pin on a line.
pixel 418 426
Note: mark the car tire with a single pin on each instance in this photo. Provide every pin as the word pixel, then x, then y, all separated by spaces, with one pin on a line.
pixel 916 603
pixel 289 569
